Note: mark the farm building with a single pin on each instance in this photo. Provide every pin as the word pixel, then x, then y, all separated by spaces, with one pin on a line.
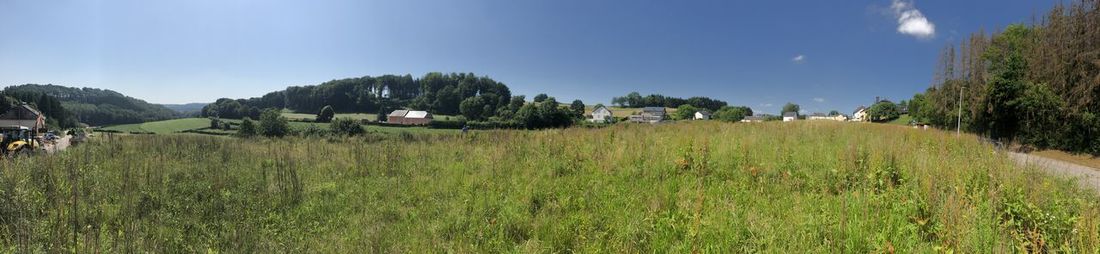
pixel 409 117
pixel 601 115
pixel 790 116
pixel 860 115
pixel 23 115
pixel 650 115
pixel 702 115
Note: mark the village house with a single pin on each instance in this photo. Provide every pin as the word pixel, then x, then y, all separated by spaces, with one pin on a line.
pixel 821 116
pixel 702 115
pixel 790 116
pixel 23 115
pixel 650 115
pixel 409 117
pixel 601 115
pixel 860 115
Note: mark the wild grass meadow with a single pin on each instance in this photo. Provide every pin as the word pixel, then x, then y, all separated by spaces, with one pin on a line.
pixel 712 187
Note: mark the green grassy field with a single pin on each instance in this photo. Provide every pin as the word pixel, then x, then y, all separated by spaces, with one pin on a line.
pixel 354 116
pixel 902 120
pixel 163 127
pixel 803 187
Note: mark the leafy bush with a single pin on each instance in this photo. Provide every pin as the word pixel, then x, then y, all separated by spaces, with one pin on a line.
pixel 247 129
pixel 273 124
pixel 346 126
pixel 326 114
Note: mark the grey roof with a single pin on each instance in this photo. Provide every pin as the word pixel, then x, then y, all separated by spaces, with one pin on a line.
pixel 653 109
pixel 790 114
pixel 401 112
pixel 418 114
pixel 704 112
pixel 818 114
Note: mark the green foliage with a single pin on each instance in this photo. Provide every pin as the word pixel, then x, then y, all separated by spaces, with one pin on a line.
pixel 883 111
pixel 541 97
pixel 790 107
pixel 578 108
pixel 834 113
pixel 247 129
pixel 326 114
pixel 273 124
pixel 636 100
pixel 732 114
pixel 684 112
pixel 546 114
pixel 345 126
pixel 67 106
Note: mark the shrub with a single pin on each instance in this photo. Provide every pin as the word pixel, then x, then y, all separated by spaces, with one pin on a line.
pixel 247 129
pixel 326 114
pixel 273 124
pixel 345 126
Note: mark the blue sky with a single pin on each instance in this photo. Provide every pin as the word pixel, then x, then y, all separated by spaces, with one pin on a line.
pixel 744 52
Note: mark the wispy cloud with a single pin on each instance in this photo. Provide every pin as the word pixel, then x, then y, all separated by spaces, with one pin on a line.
pixel 911 21
pixel 819 99
pixel 799 59
pixel 766 105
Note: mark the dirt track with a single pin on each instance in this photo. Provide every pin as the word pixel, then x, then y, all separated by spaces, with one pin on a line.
pixel 1089 177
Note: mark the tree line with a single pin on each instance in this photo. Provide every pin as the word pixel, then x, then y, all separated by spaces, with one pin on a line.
pixel 636 100
pixel 1037 85
pixel 434 92
pixel 65 107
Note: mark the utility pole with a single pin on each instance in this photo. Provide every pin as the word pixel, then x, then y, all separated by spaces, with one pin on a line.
pixel 958 126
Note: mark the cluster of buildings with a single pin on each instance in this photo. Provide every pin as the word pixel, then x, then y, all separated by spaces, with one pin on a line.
pixel 602 114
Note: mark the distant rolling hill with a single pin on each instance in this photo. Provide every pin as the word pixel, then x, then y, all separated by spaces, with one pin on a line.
pixel 99 106
pixel 189 109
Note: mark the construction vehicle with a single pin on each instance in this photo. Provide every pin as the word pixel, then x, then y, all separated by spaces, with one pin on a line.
pixel 18 140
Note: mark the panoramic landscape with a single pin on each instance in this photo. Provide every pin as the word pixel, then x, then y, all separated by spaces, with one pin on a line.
pixel 886 126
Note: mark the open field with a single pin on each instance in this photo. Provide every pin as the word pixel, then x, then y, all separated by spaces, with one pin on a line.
pixel 818 187
pixel 354 116
pixel 163 127
pixel 902 120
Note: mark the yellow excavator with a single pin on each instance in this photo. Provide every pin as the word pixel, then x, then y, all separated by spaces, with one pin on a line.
pixel 18 140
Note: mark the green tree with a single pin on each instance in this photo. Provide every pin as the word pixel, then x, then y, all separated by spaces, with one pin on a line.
pixel 834 113
pixel 472 108
pixel 541 97
pixel 883 111
pixel 326 114
pixel 790 107
pixel 248 128
pixel 346 126
pixel 685 112
pixel 578 108
pixel 732 114
pixel 273 124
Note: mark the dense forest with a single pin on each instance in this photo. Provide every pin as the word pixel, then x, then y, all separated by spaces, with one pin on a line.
pixel 91 106
pixel 636 100
pixel 1036 85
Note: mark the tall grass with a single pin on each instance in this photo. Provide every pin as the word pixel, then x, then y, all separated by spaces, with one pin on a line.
pixel 707 187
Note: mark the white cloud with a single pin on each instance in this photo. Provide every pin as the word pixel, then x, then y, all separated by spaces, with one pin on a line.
pixel 766 105
pixel 911 21
pixel 799 59
pixel 819 99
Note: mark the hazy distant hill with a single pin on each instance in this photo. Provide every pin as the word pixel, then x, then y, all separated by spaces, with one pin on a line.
pixel 189 109
pixel 99 106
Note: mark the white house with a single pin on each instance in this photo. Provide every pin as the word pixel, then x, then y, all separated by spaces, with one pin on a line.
pixel 790 116
pixel 601 115
pixel 702 115
pixel 860 115
pixel 820 116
